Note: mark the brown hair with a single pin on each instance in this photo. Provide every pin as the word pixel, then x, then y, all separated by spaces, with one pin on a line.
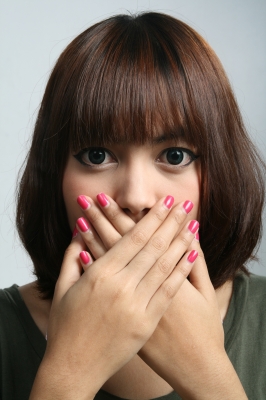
pixel 126 79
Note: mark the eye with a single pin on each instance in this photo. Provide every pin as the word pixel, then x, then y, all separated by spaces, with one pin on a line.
pixel 177 156
pixel 94 156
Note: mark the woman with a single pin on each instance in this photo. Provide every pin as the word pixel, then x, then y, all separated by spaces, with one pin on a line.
pixel 138 141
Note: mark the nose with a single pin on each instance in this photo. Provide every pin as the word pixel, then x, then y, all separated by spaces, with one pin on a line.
pixel 136 192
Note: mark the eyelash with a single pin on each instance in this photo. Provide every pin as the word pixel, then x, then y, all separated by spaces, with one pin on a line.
pixel 186 152
pixel 192 156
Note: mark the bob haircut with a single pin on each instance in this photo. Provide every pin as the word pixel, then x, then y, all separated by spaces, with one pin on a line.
pixel 128 79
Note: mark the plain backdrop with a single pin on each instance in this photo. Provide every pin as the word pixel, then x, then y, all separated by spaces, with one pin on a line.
pixel 34 33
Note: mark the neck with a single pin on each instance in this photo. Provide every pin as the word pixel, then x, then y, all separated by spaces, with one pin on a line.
pixel 224 294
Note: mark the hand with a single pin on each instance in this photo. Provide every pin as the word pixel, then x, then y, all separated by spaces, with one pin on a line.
pixel 114 307
pixel 187 347
pixel 105 223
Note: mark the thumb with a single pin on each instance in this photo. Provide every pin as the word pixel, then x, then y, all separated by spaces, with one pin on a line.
pixel 71 268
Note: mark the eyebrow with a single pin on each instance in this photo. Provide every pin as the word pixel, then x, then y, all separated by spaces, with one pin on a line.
pixel 164 138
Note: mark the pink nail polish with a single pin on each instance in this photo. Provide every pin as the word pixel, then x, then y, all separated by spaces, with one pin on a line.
pixel 83 202
pixel 197 236
pixel 75 232
pixel 192 256
pixel 193 226
pixel 102 199
pixel 84 257
pixel 169 201
pixel 188 205
pixel 83 225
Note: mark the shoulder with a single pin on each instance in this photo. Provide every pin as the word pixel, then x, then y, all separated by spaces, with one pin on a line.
pixel 254 289
pixel 257 284
pixel 249 304
pixel 9 312
pixel 254 286
pixel 8 299
pixel 245 333
pixel 246 313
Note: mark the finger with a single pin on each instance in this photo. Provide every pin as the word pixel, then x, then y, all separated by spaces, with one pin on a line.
pixel 110 221
pixel 121 221
pixel 161 240
pixel 165 264
pixel 169 288
pixel 71 268
pixel 85 259
pixel 199 276
pixel 90 237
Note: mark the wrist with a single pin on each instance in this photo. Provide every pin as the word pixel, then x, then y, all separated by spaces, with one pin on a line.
pixel 216 379
pixel 56 384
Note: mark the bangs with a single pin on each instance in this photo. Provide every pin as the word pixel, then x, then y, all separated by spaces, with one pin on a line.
pixel 129 87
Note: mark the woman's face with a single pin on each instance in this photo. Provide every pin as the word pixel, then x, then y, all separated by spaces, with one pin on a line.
pixel 135 176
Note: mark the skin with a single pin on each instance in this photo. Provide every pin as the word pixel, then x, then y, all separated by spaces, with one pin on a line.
pixel 134 193
pixel 124 180
pixel 162 322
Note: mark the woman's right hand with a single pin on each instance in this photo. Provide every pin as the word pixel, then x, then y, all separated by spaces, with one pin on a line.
pixel 101 319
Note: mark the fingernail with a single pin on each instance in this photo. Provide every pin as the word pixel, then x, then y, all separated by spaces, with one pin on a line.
pixel 83 225
pixel 83 202
pixel 197 236
pixel 102 199
pixel 192 256
pixel 188 205
pixel 169 201
pixel 193 226
pixel 84 257
pixel 75 232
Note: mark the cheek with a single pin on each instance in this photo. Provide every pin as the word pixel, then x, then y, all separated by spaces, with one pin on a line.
pixel 188 188
pixel 76 183
pixel 71 190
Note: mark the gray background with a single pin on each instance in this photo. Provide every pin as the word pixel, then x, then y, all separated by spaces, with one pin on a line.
pixel 33 34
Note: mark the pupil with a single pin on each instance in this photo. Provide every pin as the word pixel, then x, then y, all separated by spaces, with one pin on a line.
pixel 97 156
pixel 174 156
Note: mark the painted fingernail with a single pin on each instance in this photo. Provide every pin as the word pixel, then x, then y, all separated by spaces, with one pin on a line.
pixel 197 236
pixel 102 199
pixel 169 201
pixel 83 225
pixel 193 226
pixel 83 202
pixel 75 232
pixel 192 256
pixel 188 205
pixel 84 257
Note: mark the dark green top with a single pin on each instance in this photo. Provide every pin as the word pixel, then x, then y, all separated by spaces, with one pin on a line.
pixel 22 345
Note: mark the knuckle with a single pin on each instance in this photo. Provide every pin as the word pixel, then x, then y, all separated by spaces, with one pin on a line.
pixel 169 291
pixel 112 241
pixel 122 291
pixel 119 292
pixel 113 214
pixel 98 280
pixel 185 241
pixel 184 269
pixel 201 255
pixel 94 215
pixel 159 216
pixel 89 238
pixel 164 266
pixel 159 243
pixel 69 252
pixel 178 217
pixel 138 238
